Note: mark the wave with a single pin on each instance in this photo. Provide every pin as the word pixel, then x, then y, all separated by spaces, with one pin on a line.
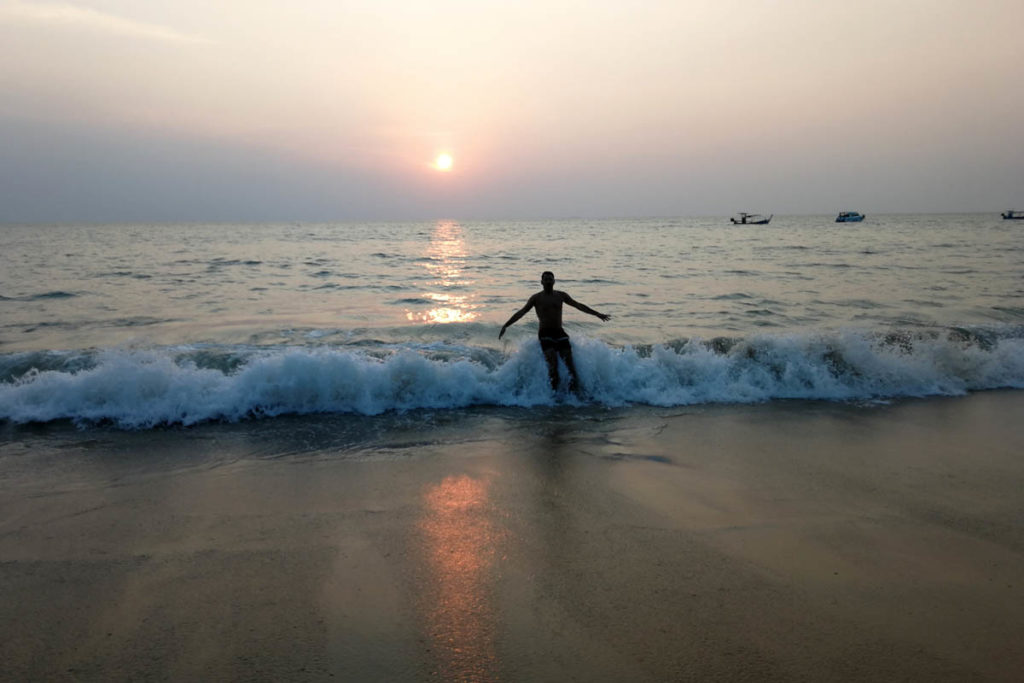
pixel 41 297
pixel 189 385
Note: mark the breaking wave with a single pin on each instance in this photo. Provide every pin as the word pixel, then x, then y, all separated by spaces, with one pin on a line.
pixel 189 385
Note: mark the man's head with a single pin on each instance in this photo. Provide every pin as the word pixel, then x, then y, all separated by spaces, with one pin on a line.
pixel 547 279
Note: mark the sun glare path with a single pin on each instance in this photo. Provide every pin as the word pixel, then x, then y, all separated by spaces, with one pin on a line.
pixel 443 162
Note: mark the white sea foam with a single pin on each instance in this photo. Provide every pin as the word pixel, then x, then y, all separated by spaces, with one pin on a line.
pixel 139 389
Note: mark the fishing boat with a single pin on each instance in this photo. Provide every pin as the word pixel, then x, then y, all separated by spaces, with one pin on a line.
pixel 751 219
pixel 1012 215
pixel 849 217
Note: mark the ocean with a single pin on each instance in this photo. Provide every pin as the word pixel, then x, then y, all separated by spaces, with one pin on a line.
pixel 300 452
pixel 139 326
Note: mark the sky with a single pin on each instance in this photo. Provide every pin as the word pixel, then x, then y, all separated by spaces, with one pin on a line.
pixel 250 110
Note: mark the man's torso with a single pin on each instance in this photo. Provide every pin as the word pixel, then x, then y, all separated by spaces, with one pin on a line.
pixel 549 313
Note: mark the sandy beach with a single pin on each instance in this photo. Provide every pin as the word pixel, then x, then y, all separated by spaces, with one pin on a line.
pixel 791 541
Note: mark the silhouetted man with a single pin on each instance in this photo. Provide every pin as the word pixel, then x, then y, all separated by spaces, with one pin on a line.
pixel 548 304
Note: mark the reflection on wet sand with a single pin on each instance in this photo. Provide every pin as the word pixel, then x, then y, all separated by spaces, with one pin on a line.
pixel 460 542
pixel 446 257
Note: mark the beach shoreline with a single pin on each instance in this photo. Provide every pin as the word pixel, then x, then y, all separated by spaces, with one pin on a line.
pixel 790 541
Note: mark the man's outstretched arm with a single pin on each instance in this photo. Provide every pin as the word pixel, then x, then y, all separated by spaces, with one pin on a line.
pixel 583 307
pixel 516 316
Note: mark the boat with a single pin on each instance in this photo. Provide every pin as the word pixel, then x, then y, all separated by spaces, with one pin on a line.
pixel 849 217
pixel 1012 215
pixel 751 219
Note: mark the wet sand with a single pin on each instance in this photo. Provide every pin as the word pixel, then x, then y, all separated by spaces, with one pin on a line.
pixel 783 542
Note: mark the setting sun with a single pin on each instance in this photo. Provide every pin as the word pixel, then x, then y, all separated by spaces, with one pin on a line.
pixel 443 162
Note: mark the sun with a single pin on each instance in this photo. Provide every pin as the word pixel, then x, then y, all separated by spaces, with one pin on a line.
pixel 443 162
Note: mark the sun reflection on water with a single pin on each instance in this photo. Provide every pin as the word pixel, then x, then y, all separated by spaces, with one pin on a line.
pixel 460 541
pixel 445 259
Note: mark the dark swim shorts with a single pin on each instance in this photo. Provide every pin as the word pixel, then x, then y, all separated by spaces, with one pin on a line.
pixel 554 339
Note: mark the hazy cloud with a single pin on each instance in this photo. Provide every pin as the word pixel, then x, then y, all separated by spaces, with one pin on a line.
pixel 66 15
pixel 327 109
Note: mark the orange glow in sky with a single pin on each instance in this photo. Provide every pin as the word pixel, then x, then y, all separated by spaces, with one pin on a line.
pixel 615 109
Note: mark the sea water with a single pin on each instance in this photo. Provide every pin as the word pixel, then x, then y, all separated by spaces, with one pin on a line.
pixel 142 325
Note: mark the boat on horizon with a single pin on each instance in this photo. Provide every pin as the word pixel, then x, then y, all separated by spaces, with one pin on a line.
pixel 750 219
pixel 849 217
pixel 1012 215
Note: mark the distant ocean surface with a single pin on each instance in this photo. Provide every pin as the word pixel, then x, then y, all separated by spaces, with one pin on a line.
pixel 147 325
